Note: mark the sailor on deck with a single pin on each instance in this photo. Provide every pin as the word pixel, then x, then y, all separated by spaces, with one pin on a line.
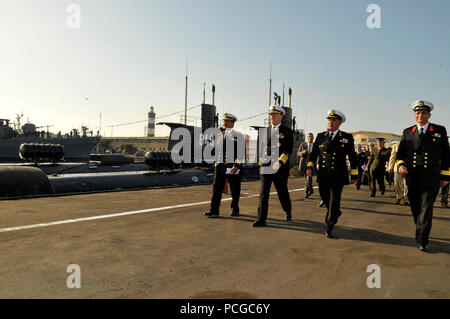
pixel 424 158
pixel 275 165
pixel 331 148
pixel 230 155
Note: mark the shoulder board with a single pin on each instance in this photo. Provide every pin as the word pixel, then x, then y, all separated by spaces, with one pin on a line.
pixel 436 127
pixel 285 128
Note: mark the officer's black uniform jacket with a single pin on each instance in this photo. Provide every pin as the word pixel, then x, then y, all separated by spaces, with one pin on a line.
pixel 378 158
pixel 361 158
pixel 332 158
pixel 284 146
pixel 427 159
pixel 229 157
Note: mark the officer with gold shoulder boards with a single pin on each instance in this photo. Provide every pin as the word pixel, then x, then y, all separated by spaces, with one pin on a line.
pixel 424 157
pixel 275 165
pixel 230 154
pixel 332 148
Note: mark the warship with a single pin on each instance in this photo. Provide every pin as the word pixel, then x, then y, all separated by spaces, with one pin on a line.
pixel 77 145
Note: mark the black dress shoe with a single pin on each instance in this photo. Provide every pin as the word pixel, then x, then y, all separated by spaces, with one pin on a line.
pixel 234 214
pixel 321 204
pixel 383 191
pixel 444 205
pixel 306 195
pixel 288 217
pixel 259 224
pixel 372 195
pixel 328 230
pixel 209 214
pixel 423 247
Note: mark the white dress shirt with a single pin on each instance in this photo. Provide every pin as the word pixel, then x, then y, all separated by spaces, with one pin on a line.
pixel 310 147
pixel 334 133
pixel 425 127
pixel 227 132
pixel 276 127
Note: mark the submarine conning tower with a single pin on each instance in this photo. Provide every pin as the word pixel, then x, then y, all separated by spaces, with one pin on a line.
pixel 209 116
pixel 287 118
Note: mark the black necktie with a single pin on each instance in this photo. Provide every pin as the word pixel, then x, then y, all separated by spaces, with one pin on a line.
pixel 421 133
pixel 331 136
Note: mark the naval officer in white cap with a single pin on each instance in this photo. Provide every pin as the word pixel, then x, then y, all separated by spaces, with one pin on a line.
pixel 228 166
pixel 423 156
pixel 275 165
pixel 331 148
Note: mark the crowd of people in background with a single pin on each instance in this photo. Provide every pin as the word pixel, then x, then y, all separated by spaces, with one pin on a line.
pixel 376 165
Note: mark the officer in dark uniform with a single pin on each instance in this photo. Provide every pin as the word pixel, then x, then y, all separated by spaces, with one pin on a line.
pixel 361 159
pixel 424 157
pixel 230 153
pixel 377 166
pixel 332 148
pixel 275 165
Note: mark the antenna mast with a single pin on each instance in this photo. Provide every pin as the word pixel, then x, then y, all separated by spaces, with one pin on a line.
pixel 186 92
pixel 270 85
pixel 204 94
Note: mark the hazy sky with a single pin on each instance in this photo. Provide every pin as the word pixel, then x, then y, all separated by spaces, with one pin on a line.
pixel 129 55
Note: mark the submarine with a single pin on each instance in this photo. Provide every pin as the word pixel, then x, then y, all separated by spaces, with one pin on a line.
pixel 47 176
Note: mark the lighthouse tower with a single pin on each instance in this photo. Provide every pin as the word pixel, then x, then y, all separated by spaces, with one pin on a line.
pixel 151 123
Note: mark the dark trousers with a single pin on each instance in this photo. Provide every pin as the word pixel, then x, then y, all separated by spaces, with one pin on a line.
pixel 421 201
pixel 377 175
pixel 219 183
pixel 360 176
pixel 280 181
pixel 309 185
pixel 444 194
pixel 331 196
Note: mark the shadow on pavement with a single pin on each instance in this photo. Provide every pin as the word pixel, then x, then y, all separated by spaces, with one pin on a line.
pixel 348 233
pixel 390 213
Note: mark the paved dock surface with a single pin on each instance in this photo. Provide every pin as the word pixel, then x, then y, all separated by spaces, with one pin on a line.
pixel 157 244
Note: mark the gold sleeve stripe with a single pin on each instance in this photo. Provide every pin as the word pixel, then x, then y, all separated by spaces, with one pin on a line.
pixel 400 162
pixel 354 171
pixel 238 162
pixel 283 158
pixel 310 164
pixel 446 173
